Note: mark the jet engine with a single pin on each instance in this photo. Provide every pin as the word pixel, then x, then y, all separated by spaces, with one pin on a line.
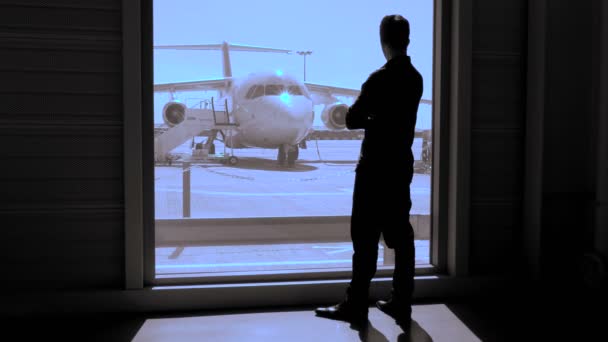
pixel 334 116
pixel 174 113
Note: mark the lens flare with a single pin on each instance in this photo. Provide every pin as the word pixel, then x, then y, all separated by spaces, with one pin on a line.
pixel 285 97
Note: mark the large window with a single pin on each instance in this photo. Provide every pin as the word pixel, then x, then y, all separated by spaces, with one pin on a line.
pixel 270 189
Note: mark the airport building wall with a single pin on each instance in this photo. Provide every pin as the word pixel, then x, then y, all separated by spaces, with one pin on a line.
pixel 61 126
pixel 61 122
pixel 567 182
pixel 497 126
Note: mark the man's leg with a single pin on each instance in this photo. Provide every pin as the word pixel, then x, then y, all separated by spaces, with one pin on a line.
pixel 365 239
pixel 365 235
pixel 354 307
pixel 399 306
pixel 401 239
pixel 403 276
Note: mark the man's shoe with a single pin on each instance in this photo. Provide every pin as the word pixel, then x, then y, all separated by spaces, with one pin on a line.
pixel 402 313
pixel 344 311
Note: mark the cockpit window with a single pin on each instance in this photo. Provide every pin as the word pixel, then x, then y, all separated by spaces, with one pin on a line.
pixel 250 92
pixel 274 89
pixel 294 90
pixel 255 91
pixel 258 90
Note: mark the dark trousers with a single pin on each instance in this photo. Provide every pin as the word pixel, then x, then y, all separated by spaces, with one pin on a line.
pixel 381 205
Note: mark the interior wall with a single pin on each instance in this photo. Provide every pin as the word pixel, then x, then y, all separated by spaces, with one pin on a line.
pixel 570 140
pixel 600 238
pixel 564 234
pixel 61 131
pixel 497 133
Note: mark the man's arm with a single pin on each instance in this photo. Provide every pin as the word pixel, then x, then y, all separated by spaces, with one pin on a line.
pixel 360 113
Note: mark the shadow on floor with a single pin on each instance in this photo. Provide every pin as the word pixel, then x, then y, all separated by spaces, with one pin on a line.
pixel 94 328
pixel 416 334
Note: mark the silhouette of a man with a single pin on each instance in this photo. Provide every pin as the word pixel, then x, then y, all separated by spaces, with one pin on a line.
pixel 386 109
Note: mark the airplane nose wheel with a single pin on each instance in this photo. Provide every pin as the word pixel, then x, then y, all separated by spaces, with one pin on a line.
pixel 292 155
pixel 281 155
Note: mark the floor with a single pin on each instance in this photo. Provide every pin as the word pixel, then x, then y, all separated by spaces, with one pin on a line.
pixel 432 322
pixel 498 318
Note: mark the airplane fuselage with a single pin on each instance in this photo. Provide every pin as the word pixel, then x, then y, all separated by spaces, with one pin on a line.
pixel 270 109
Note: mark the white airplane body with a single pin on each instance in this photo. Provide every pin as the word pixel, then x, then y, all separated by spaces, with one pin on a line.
pixel 268 109
pixel 271 110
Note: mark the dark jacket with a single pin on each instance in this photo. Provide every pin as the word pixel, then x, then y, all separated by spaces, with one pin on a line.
pixel 387 108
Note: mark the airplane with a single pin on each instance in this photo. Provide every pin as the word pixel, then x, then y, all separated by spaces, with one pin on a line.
pixel 272 110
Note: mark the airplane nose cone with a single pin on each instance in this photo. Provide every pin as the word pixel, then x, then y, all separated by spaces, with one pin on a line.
pixel 297 110
pixel 297 116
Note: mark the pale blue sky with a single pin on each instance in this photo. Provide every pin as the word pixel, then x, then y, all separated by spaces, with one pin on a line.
pixel 343 35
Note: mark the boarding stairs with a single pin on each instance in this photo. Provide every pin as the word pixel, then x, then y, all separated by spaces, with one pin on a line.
pixel 197 119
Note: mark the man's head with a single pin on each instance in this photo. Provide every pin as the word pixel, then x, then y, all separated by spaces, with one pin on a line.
pixel 394 35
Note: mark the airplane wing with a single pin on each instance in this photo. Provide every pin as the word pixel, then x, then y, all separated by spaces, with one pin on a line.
pixel 217 84
pixel 322 94
pixel 233 47
pixel 330 90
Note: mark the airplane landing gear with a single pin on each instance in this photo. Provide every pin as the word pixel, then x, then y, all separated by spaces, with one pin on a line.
pixel 288 153
pixel 292 155
pixel 281 155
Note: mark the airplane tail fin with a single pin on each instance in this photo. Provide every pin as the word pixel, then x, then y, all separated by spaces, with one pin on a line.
pixel 225 47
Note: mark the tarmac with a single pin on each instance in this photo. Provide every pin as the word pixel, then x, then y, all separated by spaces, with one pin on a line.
pixel 320 184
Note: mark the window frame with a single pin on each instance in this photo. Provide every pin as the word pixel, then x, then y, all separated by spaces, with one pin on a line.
pixel 451 145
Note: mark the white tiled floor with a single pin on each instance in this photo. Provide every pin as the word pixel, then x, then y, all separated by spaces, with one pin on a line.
pixel 432 323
